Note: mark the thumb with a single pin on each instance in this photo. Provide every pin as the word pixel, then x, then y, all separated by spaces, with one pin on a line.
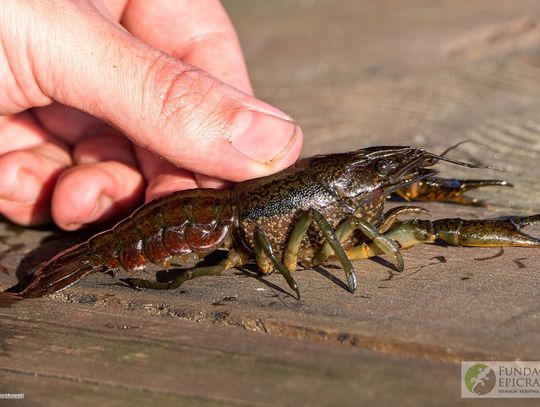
pixel 179 112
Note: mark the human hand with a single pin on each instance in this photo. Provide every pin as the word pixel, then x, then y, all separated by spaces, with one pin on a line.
pixel 69 67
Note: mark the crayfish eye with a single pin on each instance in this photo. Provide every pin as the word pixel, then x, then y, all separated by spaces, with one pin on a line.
pixel 382 167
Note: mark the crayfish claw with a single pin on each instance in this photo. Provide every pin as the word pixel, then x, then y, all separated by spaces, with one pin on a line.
pixel 523 221
pixel 448 190
pixel 487 232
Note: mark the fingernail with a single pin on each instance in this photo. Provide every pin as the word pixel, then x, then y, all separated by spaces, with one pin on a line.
pixel 263 137
pixel 24 188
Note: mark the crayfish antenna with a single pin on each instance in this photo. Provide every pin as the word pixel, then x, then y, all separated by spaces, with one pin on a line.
pixel 459 143
pixel 442 157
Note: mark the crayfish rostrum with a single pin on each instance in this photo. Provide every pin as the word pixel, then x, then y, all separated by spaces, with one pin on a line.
pixel 326 206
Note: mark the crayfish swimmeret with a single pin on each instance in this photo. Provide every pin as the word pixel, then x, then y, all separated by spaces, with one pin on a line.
pixel 327 206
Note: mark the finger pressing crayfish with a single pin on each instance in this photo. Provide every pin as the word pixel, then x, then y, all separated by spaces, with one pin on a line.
pixel 327 206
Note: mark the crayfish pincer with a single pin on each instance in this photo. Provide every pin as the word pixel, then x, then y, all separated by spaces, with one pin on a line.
pixel 327 206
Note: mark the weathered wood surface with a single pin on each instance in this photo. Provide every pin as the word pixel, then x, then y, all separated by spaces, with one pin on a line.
pixel 354 74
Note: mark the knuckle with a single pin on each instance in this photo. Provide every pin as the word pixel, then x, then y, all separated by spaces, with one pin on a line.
pixel 186 97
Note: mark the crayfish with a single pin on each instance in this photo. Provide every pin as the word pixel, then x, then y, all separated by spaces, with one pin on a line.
pixel 323 207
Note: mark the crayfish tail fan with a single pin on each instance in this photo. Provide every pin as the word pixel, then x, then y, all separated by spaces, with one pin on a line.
pixel 63 270
pixel 7 299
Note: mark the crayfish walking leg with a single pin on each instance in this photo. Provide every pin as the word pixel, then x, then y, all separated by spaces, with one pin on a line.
pixel 266 258
pixel 233 259
pixel 384 244
pixel 298 233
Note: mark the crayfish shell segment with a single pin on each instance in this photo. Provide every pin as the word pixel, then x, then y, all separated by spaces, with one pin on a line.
pixel 195 225
pixel 175 216
pixel 105 246
pixel 201 239
pixel 174 240
pixel 130 246
pixel 211 218
pixel 155 249
pixel 149 223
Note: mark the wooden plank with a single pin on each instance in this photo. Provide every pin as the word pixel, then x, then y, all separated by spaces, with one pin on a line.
pixel 353 74
pixel 115 357
pixel 41 390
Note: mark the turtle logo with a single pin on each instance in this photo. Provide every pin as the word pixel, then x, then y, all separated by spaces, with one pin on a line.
pixel 480 379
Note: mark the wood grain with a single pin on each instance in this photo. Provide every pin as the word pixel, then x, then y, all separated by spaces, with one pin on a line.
pixel 354 74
